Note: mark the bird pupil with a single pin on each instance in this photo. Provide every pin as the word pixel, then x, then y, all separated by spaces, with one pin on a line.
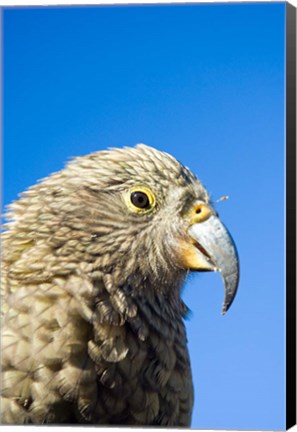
pixel 140 199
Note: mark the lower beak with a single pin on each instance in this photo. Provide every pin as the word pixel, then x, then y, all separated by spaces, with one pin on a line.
pixel 217 250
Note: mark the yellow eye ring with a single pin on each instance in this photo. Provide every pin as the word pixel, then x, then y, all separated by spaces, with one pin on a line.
pixel 140 199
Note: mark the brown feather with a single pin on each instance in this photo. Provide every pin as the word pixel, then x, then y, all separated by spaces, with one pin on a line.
pixel 92 317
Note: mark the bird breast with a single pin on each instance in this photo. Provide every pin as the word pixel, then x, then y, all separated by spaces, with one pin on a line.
pixel 85 351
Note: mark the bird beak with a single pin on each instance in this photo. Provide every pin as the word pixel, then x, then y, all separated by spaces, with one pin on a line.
pixel 216 251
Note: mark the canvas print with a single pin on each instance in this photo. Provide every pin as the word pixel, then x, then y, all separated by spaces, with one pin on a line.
pixel 144 239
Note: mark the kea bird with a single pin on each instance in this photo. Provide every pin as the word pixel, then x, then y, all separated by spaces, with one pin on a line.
pixel 95 257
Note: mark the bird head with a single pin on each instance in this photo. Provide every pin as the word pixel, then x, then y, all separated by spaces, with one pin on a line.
pixel 148 216
pixel 136 213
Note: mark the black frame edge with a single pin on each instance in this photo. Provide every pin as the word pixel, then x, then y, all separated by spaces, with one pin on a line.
pixel 290 215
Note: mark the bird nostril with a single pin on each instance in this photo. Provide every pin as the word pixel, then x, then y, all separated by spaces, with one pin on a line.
pixel 201 212
pixel 200 209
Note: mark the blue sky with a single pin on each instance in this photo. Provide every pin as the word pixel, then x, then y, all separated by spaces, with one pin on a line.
pixel 205 83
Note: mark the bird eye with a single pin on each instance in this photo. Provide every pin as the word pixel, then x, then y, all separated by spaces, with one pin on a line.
pixel 140 200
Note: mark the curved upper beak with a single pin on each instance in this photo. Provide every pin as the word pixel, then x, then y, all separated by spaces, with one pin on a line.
pixel 217 251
